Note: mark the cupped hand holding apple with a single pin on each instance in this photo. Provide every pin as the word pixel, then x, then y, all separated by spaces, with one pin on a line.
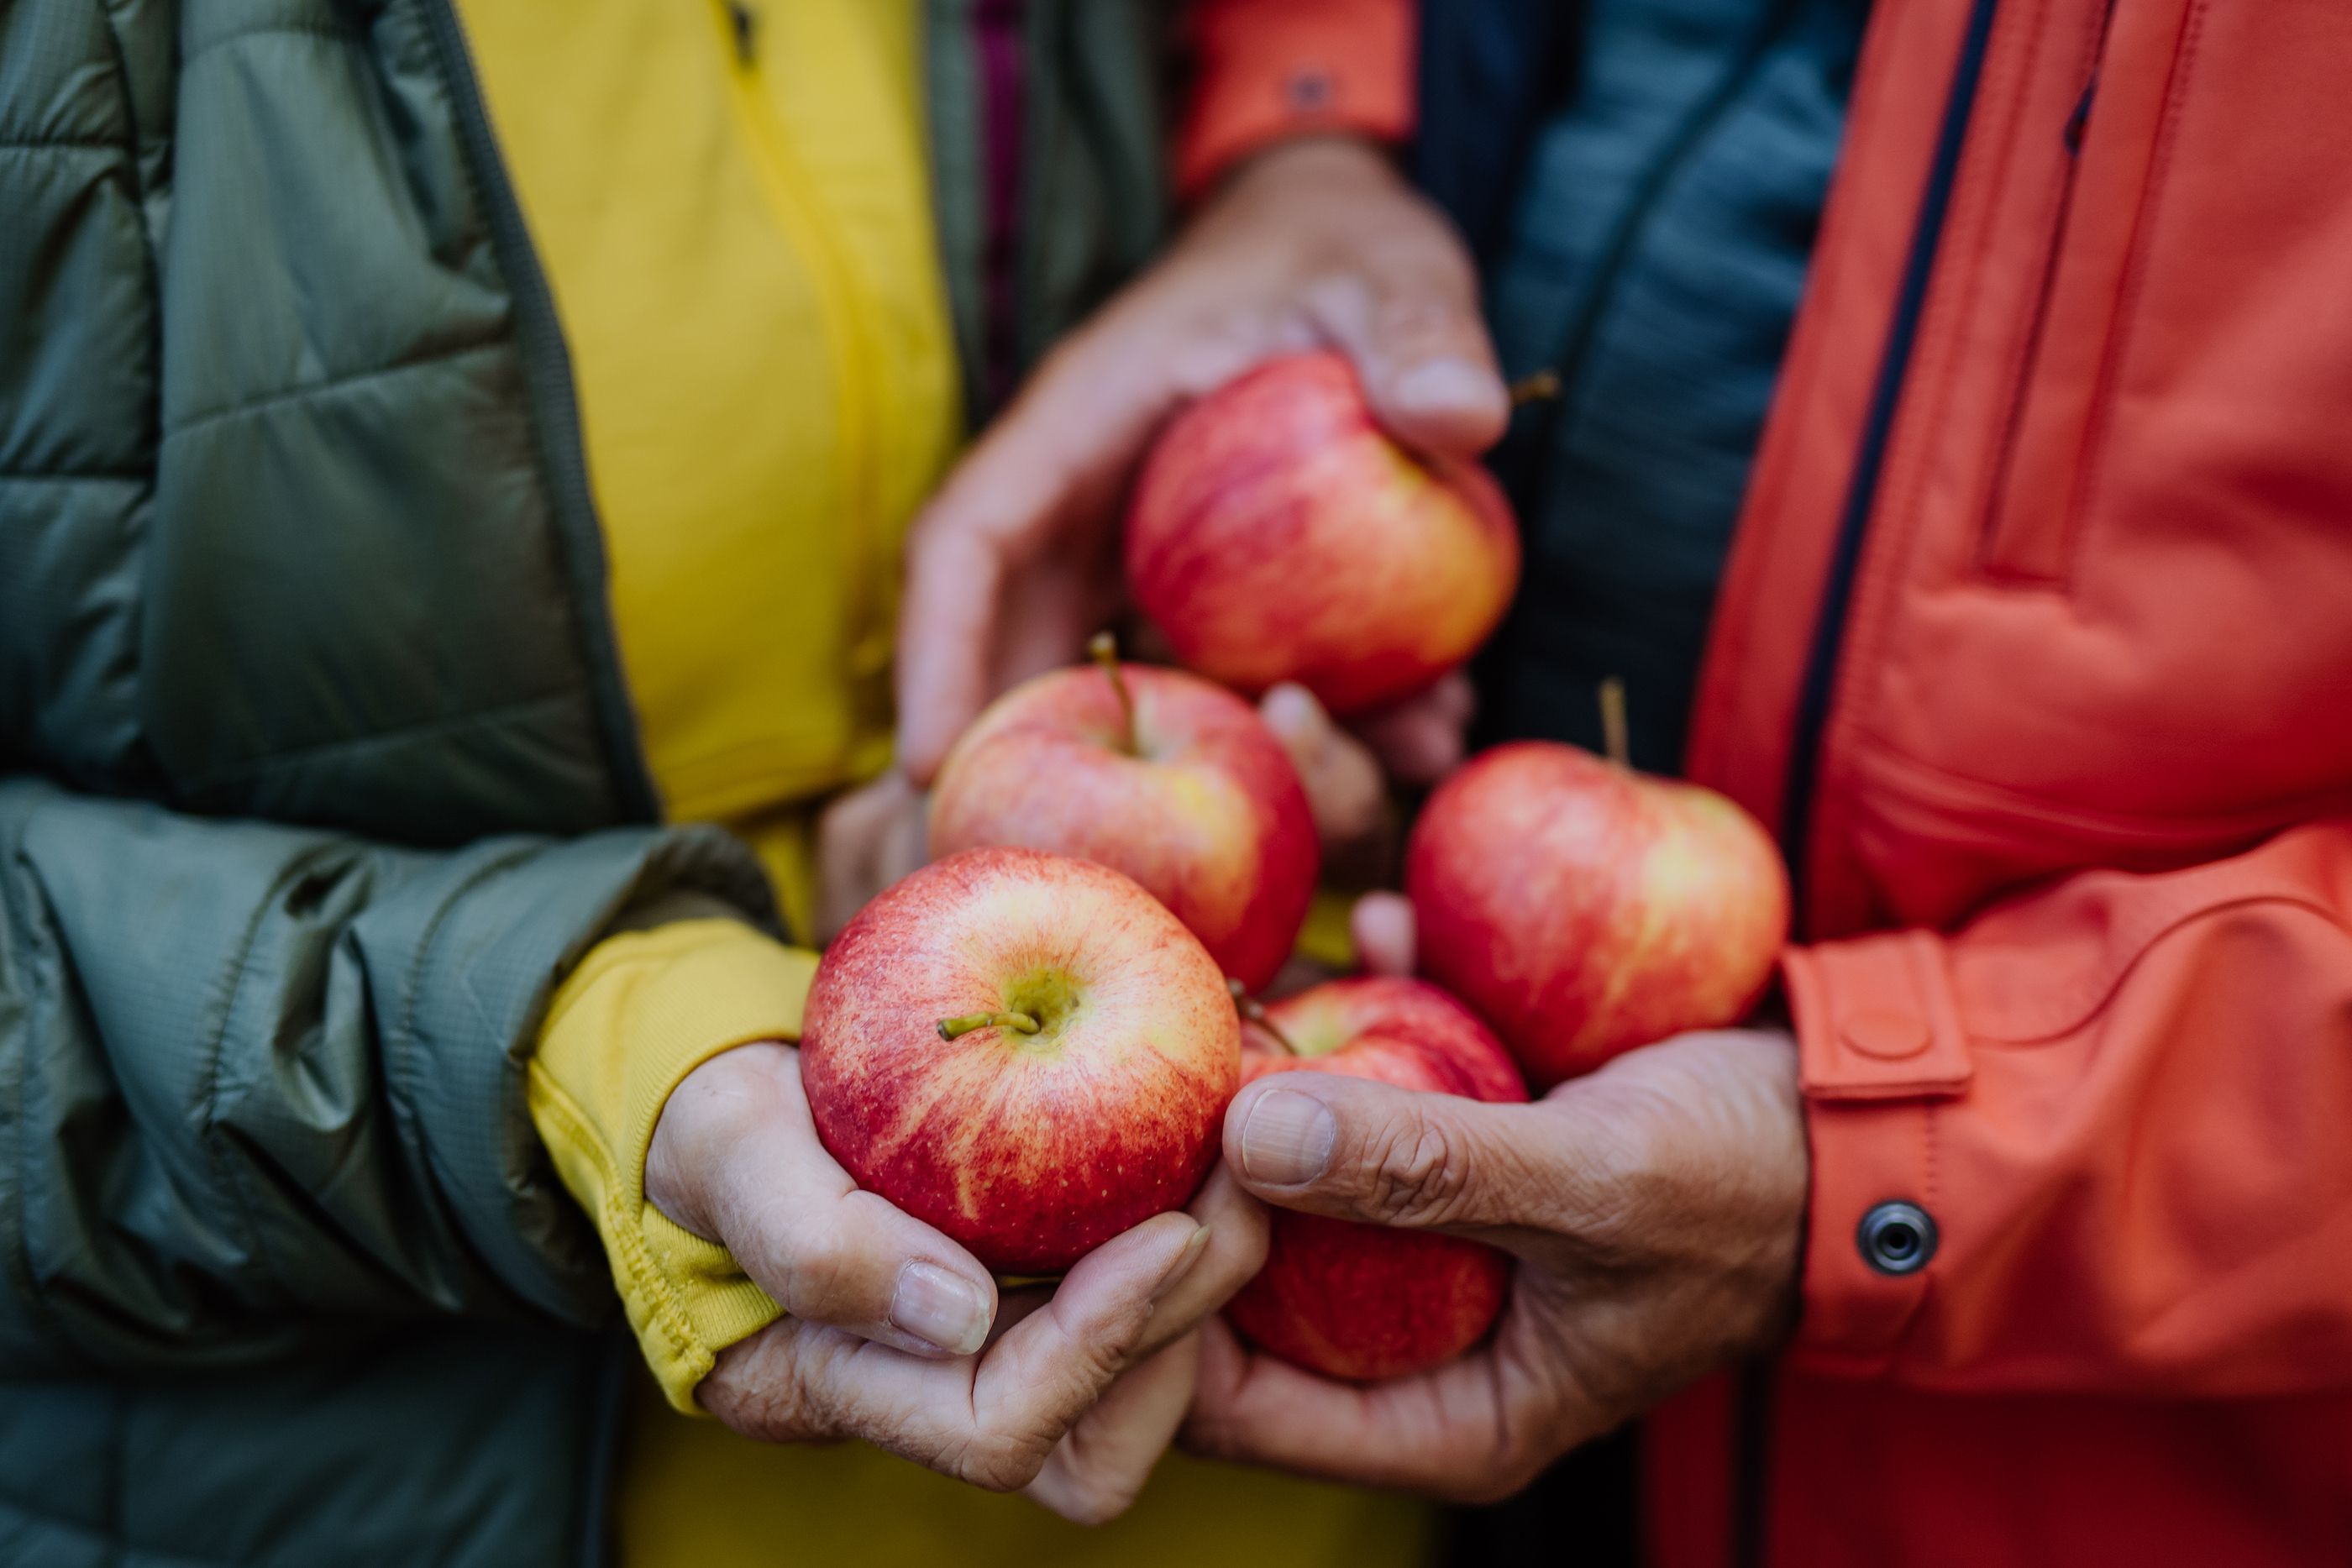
pixel 895 1331
pixel 1654 1208
pixel 1363 1301
pixel 1318 242
pixel 1277 533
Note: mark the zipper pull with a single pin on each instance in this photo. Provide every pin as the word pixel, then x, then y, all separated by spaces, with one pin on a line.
pixel 744 23
pixel 2081 118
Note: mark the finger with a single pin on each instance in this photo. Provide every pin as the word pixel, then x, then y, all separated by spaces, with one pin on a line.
pixel 1421 739
pixel 1235 1250
pixel 1382 926
pixel 1455 1433
pixel 830 1253
pixel 946 626
pixel 1055 1363
pixel 1095 1471
pixel 1354 1149
pixel 991 1420
pixel 1344 787
pixel 1407 314
pixel 1055 462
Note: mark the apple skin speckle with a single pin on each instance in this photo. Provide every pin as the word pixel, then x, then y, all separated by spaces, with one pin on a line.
pixel 1031 1150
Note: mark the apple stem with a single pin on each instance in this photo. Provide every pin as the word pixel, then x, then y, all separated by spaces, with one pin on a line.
pixel 1253 1011
pixel 1103 647
pixel 1020 1023
pixel 1614 737
pixel 1536 386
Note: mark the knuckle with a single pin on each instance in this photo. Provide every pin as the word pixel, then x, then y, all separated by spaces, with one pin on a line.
pixel 1418 1176
pixel 822 1275
pixel 766 1395
pixel 1000 1463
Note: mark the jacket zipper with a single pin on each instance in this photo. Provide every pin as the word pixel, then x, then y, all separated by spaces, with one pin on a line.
pixel 547 370
pixel 2077 125
pixel 1751 1422
pixel 1870 456
pixel 791 197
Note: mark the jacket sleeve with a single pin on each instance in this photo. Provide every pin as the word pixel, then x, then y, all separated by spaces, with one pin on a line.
pixel 2124 1103
pixel 259 1083
pixel 1266 71
pixel 643 1010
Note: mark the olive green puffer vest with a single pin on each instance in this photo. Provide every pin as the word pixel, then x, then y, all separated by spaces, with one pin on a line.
pixel 316 769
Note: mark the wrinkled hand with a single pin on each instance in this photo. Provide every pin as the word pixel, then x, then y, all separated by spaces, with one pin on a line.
pixel 1654 1208
pixel 895 1334
pixel 1314 243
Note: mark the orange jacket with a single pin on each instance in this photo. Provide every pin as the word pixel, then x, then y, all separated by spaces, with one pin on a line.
pixel 2037 642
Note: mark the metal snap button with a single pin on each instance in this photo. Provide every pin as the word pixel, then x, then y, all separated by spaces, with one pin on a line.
pixel 1896 1238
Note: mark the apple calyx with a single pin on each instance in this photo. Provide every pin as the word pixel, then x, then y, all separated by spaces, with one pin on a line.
pixel 1020 1023
pixel 1103 648
pixel 1253 1011
pixel 1615 741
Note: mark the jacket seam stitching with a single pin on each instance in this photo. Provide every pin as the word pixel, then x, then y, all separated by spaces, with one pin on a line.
pixel 330 385
pixel 2119 970
pixel 215 1052
pixel 268 29
pixel 2104 392
pixel 407 1033
pixel 1881 755
pixel 74 475
pixel 20 1254
pixel 272 761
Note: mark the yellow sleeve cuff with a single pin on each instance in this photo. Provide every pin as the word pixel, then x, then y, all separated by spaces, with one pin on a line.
pixel 643 1010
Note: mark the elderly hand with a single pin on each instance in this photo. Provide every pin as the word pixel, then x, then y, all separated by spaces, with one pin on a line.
pixel 1654 1208
pixel 1015 563
pixel 895 1334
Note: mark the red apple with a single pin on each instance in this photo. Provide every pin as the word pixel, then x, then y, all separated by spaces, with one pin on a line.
pixel 1155 773
pixel 1361 1302
pixel 1026 1051
pixel 1276 535
pixel 1585 909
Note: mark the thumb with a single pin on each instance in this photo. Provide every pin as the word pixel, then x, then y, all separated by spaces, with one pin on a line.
pixel 1350 1149
pixel 1410 321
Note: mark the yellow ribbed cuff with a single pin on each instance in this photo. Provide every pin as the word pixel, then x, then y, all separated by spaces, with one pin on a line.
pixel 643 1010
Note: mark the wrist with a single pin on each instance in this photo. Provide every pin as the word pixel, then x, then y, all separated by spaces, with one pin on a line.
pixel 1315 159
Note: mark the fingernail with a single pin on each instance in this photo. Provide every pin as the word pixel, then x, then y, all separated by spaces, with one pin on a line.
pixel 935 1304
pixel 1289 708
pixel 1287 1138
pixel 1194 1246
pixel 1445 383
